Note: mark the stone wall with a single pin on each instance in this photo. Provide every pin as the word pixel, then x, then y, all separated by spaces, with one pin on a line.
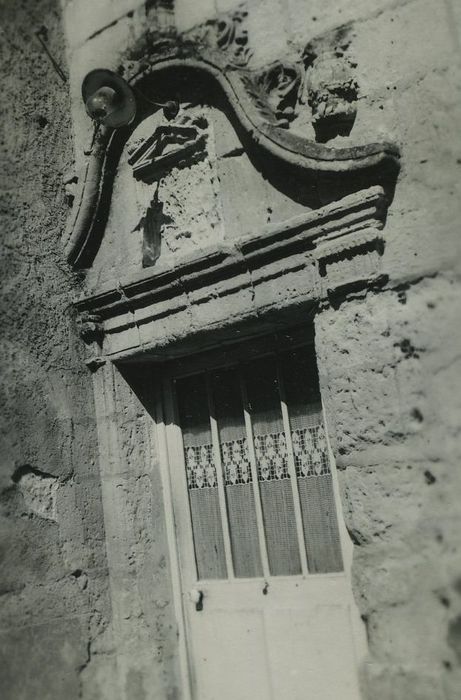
pixel 389 363
pixel 54 603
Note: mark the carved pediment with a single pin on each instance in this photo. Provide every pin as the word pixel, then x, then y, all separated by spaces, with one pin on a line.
pixel 285 111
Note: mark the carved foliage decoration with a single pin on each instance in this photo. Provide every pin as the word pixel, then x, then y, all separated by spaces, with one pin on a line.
pixel 231 36
pixel 275 92
pixel 228 34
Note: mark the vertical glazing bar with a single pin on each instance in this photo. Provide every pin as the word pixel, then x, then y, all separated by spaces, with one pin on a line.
pixel 220 480
pixel 254 478
pixel 292 471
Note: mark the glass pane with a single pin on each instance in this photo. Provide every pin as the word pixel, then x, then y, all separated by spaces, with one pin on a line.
pixel 315 486
pixel 201 477
pixel 237 474
pixel 273 475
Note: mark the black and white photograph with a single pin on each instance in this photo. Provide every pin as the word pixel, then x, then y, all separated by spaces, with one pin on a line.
pixel 230 369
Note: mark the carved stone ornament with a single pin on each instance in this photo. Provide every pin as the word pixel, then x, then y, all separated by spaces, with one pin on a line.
pixel 263 101
pixel 275 90
pixel 90 328
pixel 332 95
pixel 228 34
pixel 171 145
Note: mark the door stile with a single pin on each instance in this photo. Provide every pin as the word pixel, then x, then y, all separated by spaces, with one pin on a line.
pixel 344 538
pixel 164 461
pixel 254 478
pixel 220 480
pixel 292 471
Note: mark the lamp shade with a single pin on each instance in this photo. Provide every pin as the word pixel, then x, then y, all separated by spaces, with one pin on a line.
pixel 109 100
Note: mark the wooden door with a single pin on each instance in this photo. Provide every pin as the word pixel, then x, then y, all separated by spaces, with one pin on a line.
pixel 267 604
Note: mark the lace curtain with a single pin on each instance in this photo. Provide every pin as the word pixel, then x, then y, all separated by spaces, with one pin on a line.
pixel 312 463
pixel 255 386
pixel 240 501
pixel 201 477
pixel 272 464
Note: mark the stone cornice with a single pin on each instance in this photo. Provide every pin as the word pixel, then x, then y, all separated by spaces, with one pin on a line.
pixel 305 245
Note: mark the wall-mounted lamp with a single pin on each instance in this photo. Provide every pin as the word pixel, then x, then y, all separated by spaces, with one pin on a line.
pixel 110 100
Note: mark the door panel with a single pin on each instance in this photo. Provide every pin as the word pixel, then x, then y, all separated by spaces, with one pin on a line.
pixel 230 658
pixel 311 654
pixel 292 641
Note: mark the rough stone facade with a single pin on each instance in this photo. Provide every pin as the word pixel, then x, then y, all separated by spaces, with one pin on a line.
pixel 86 596
pixel 55 607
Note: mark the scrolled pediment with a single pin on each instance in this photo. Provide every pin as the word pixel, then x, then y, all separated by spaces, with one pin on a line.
pixel 273 107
